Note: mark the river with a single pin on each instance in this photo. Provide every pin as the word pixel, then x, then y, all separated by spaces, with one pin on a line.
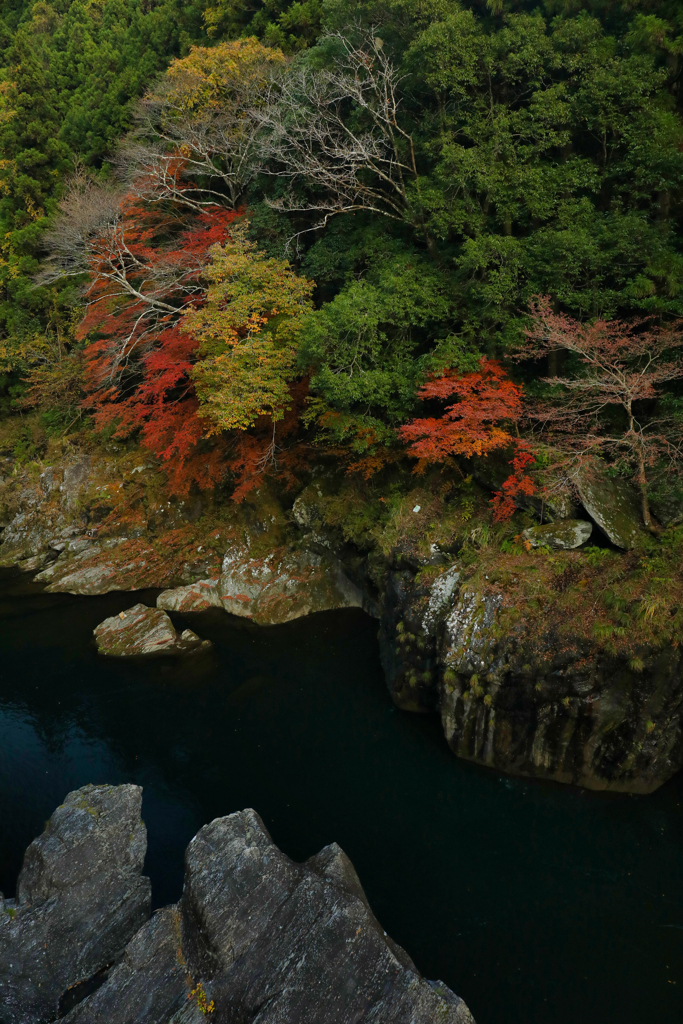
pixel 537 903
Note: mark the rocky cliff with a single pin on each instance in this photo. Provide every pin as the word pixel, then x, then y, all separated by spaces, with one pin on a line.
pixel 255 936
pixel 529 692
pixel 543 655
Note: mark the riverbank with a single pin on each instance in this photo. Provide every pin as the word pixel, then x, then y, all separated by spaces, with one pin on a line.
pixel 546 654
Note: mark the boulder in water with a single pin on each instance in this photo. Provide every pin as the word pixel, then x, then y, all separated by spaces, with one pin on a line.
pixel 142 630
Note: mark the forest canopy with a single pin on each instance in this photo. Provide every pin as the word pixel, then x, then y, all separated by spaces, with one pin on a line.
pixel 229 220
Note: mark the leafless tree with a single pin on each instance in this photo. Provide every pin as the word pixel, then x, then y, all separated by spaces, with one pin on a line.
pixel 337 131
pixel 195 153
pixel 622 366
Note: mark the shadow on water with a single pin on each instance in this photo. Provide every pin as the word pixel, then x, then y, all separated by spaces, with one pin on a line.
pixel 538 904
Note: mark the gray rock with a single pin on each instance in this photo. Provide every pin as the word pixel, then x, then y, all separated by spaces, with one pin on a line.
pixel 80 899
pixel 612 503
pixel 561 707
pixel 289 943
pixel 284 585
pixel 565 534
pixel 49 480
pixel 149 985
pixel 85 569
pixel 195 597
pixel 262 938
pixel 668 509
pixel 142 630
pixel 75 477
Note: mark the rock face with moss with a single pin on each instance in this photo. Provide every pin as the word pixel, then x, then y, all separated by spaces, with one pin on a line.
pixel 523 689
pixel 563 535
pixel 573 690
pixel 612 503
pixel 255 935
pixel 81 897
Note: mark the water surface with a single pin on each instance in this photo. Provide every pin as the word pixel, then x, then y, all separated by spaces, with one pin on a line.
pixel 537 903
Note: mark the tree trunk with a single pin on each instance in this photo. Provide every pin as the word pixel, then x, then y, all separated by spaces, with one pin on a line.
pixel 642 479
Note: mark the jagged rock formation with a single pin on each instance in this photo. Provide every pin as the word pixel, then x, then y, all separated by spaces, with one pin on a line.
pixel 81 897
pixel 255 935
pixel 142 630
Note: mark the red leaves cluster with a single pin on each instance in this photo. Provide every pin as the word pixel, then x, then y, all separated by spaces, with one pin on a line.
pixel 137 370
pixel 517 484
pixel 271 447
pixel 472 426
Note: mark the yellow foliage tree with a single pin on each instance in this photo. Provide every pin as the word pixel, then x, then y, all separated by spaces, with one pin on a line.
pixel 247 330
pixel 216 76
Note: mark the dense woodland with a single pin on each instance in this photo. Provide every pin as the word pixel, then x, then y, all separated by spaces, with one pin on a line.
pixel 411 232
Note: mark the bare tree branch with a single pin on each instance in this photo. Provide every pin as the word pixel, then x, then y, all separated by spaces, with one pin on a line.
pixel 337 131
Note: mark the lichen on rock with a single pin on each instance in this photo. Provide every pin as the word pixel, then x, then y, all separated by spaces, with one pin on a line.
pixel 562 536
pixel 143 631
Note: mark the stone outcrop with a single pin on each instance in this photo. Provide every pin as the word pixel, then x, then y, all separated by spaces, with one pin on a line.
pixel 562 535
pixel 290 942
pixel 565 710
pixel 255 935
pixel 81 897
pixel 142 630
pixel 278 587
pixel 612 503
pixel 195 597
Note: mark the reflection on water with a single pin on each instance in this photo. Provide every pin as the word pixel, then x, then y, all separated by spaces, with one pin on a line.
pixel 537 903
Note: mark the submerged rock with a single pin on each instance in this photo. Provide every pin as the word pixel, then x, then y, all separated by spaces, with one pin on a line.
pixel 563 535
pixel 142 630
pixel 613 504
pixel 81 897
pixel 255 935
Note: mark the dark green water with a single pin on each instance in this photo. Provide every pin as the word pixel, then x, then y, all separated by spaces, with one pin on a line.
pixel 538 904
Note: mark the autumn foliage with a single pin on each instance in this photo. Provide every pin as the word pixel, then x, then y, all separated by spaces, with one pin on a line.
pixel 608 406
pixel 473 425
pixel 137 371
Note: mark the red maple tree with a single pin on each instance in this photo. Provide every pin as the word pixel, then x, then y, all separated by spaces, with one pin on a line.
pixel 486 400
pixel 145 270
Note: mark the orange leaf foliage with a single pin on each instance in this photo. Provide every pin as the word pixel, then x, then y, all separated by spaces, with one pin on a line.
pixel 517 484
pixel 137 371
pixel 471 425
